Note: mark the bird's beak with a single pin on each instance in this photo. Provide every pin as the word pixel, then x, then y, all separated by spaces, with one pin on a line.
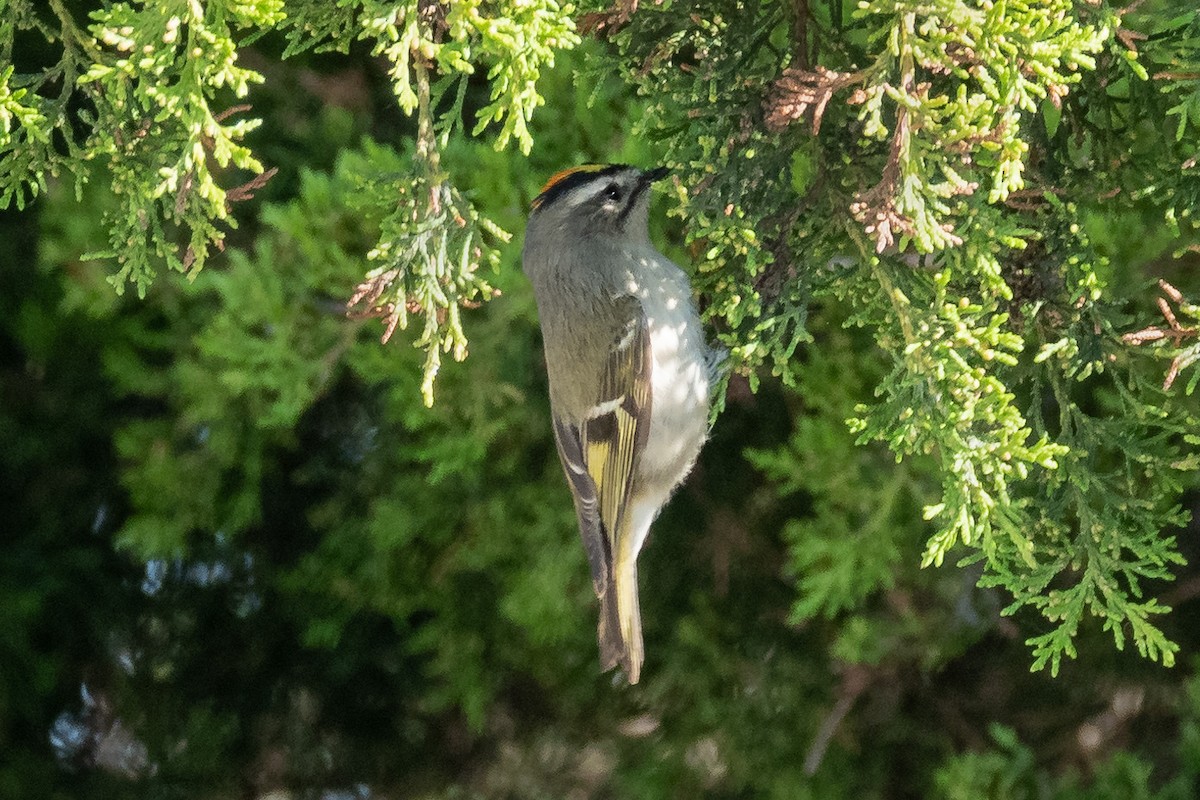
pixel 656 174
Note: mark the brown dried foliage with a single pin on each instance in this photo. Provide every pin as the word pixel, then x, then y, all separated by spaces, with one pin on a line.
pixel 606 23
pixel 876 207
pixel 365 302
pixel 1173 331
pixel 798 92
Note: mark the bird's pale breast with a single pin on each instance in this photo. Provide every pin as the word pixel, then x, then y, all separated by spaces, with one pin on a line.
pixel 679 377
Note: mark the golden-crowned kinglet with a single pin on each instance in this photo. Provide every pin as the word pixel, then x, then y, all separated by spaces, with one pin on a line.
pixel 629 374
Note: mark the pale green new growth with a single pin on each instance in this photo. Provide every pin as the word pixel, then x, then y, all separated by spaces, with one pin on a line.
pixel 433 242
pixel 168 108
pixel 159 131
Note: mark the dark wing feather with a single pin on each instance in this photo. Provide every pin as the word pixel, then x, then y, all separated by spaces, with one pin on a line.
pixel 614 437
pixel 587 503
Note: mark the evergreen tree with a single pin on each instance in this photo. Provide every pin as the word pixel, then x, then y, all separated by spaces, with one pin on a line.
pixel 941 241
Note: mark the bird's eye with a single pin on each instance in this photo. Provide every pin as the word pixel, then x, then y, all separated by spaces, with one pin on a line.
pixel 612 192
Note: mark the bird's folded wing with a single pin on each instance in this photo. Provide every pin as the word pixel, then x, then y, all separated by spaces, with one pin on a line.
pixel 600 454
pixel 587 503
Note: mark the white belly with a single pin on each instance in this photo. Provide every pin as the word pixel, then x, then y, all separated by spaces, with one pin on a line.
pixel 679 377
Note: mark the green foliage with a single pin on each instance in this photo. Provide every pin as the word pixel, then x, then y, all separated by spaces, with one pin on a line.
pixel 1176 48
pixel 431 258
pixel 819 458
pixel 926 234
pixel 514 41
pixel 434 241
pixel 148 75
pixel 157 79
pixel 1010 772
pixel 28 118
pixel 961 259
pixel 162 64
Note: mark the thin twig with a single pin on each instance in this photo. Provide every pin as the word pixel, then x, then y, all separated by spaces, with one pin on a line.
pixel 855 681
pixel 1173 331
pixel 73 35
pixel 246 191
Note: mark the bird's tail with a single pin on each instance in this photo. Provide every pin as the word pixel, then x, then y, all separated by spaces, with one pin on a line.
pixel 620 630
pixel 612 646
pixel 629 615
pixel 620 614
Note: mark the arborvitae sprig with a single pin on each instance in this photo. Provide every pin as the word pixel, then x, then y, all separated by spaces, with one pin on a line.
pixel 735 187
pixel 1106 514
pixel 163 84
pixel 433 241
pixel 156 89
pixel 513 41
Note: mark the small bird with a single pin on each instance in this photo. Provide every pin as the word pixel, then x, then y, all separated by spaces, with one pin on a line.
pixel 630 374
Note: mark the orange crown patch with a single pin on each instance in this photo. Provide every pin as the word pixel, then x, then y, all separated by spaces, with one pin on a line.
pixel 562 175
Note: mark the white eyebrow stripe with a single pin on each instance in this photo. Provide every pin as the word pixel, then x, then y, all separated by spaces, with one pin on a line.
pixel 599 183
